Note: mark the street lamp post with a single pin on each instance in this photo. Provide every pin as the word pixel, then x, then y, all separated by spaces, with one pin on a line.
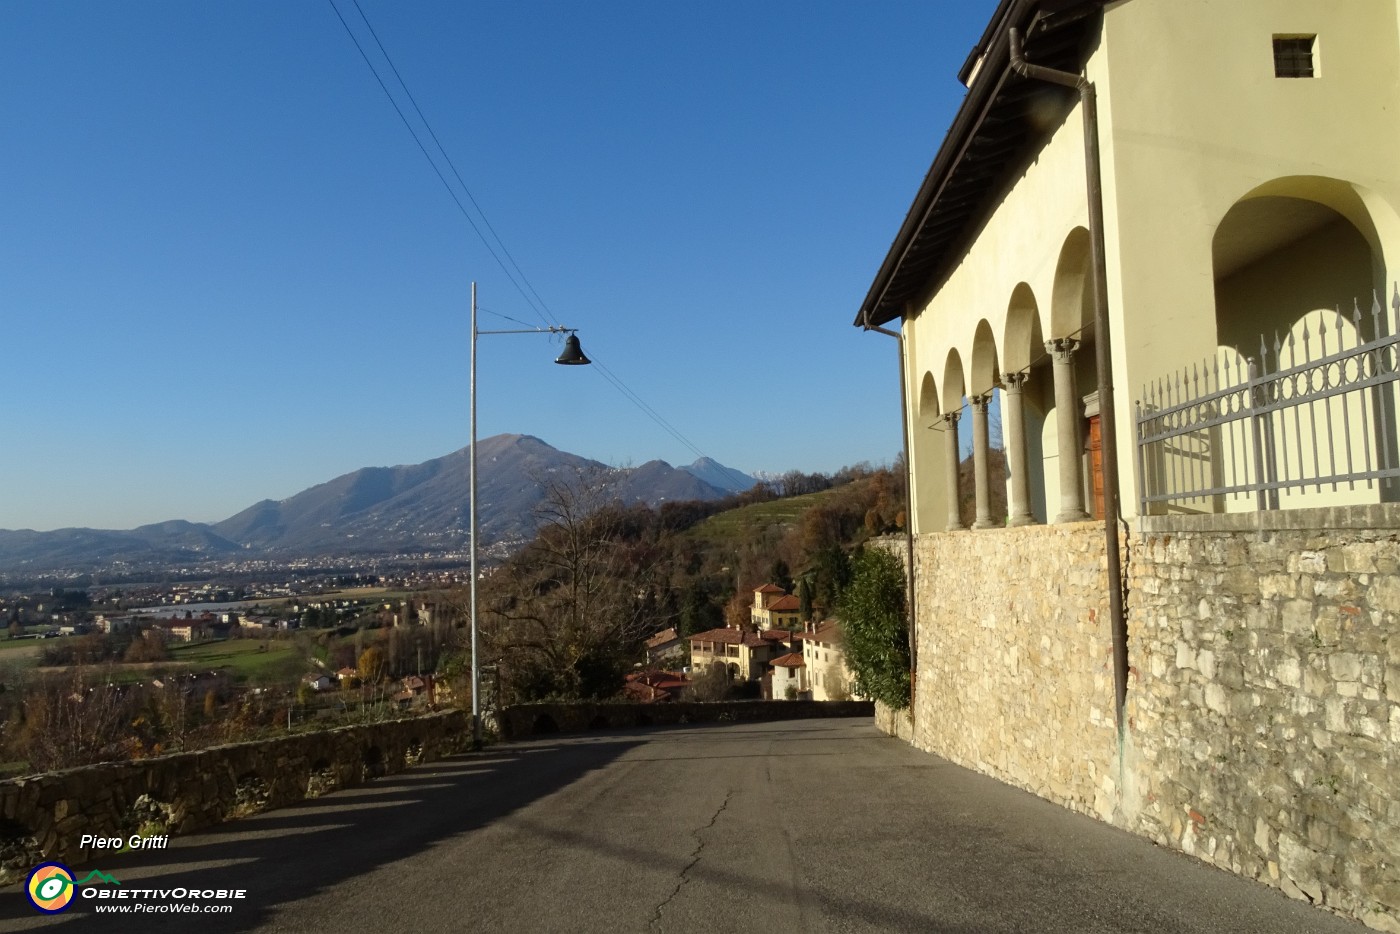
pixel 572 356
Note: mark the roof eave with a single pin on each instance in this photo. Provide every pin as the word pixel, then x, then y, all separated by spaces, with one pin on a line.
pixel 993 53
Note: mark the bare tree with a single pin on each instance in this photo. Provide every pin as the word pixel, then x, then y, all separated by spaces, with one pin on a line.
pixel 568 615
pixel 72 719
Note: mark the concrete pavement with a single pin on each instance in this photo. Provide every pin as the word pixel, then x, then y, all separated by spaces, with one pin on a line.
pixel 820 826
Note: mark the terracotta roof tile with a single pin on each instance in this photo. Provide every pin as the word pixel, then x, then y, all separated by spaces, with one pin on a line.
pixel 725 635
pixel 792 660
pixel 661 638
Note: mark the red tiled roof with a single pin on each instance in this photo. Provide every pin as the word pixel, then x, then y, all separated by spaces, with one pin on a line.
pixel 725 635
pixel 792 660
pixel 787 603
pixel 662 637
pixel 770 588
pixel 659 679
pixel 828 631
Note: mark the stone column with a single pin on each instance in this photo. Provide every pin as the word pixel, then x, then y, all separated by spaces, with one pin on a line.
pixel 1014 437
pixel 981 469
pixel 950 445
pixel 1067 418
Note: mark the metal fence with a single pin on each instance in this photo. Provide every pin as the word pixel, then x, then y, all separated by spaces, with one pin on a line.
pixel 1310 421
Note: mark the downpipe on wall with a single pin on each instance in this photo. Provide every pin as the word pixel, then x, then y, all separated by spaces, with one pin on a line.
pixel 1088 102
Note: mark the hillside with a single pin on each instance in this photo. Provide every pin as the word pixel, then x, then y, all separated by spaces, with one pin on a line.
pixel 371 511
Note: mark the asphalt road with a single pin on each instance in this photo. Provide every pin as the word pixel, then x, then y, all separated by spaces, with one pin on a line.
pixel 823 826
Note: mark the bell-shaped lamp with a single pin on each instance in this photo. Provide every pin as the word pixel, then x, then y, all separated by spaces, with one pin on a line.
pixel 573 354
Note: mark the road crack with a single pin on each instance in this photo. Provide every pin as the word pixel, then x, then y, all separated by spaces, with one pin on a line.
pixel 694 858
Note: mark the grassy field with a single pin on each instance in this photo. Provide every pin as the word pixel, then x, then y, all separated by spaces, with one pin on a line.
pixel 743 523
pixel 247 658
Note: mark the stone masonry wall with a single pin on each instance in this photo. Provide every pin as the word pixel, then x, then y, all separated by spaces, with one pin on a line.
pixel 1267 713
pixel 1263 717
pixel 1015 674
pixel 44 816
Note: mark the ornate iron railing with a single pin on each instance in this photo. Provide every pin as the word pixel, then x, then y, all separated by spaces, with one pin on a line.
pixel 1312 417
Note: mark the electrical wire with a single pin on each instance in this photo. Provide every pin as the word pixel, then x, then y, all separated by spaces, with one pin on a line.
pixel 518 279
pixel 541 309
pixel 424 150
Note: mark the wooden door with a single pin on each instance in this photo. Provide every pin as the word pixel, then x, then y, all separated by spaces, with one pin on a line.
pixel 1096 466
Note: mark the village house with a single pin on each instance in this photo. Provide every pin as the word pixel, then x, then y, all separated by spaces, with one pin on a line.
pixel 1158 245
pixel 828 677
pixel 666 645
pixel 320 682
pixel 775 608
pixel 748 651
pixel 655 686
pixel 788 677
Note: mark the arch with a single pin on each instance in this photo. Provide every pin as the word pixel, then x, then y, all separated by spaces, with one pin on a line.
pixel 1071 303
pixel 1284 256
pixel 1372 217
pixel 929 410
pixel 953 384
pixel 1288 247
pixel 927 440
pixel 985 373
pixel 1021 341
pixel 1023 352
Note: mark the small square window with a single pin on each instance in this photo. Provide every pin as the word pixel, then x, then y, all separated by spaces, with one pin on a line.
pixel 1293 56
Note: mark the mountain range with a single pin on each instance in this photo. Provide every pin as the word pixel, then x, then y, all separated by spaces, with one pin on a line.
pixel 376 511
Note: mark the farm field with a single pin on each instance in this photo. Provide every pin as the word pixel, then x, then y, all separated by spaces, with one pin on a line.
pixel 248 659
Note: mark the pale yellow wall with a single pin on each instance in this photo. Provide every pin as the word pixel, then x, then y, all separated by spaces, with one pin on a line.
pixel 1020 244
pixel 1192 121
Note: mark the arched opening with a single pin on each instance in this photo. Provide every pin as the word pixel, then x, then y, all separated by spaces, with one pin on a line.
pixel 988 474
pixel 1276 258
pixel 957 444
pixel 929 505
pixel 1026 370
pixel 1071 430
pixel 1294 260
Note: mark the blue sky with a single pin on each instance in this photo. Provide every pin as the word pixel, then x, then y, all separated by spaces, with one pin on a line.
pixel 228 273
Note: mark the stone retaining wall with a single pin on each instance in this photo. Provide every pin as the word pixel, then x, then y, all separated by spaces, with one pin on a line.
pixel 1268 709
pixel 1263 717
pixel 45 816
pixel 896 723
pixel 575 717
pixel 1015 674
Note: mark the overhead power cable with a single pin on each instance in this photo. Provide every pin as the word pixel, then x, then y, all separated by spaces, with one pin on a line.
pixel 517 277
pixel 541 309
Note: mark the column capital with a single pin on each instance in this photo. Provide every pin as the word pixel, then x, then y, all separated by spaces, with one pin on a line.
pixel 980 402
pixel 951 418
pixel 1062 348
pixel 1014 382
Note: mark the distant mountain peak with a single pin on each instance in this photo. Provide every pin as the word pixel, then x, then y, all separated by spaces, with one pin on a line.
pixel 379 510
pixel 720 476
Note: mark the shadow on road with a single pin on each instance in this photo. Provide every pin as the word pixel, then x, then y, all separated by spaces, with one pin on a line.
pixel 292 853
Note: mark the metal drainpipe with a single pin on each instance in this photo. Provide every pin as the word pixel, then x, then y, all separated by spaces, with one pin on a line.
pixel 908 510
pixel 1088 102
